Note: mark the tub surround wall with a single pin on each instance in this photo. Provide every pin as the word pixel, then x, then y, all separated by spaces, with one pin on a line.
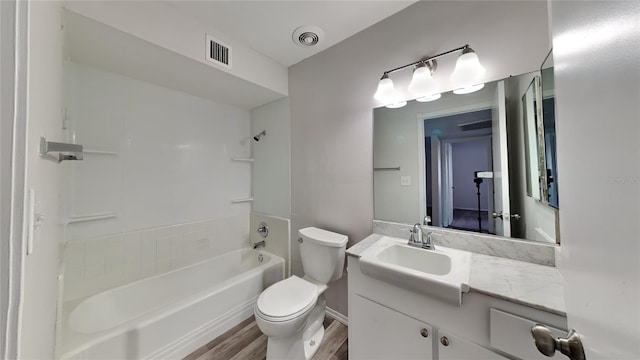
pixel 331 96
pixel 271 171
pixel 277 241
pixel 522 250
pixel 159 174
pixel 96 264
pixel 154 157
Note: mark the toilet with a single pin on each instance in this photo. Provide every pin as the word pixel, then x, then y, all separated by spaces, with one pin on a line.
pixel 290 312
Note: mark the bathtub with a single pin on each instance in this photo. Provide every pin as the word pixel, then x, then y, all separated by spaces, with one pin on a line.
pixel 169 315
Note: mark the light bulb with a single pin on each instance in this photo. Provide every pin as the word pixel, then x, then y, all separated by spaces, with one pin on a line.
pixel 396 105
pixel 386 92
pixel 468 71
pixel 468 89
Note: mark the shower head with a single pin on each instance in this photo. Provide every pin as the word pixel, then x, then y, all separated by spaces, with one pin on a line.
pixel 257 137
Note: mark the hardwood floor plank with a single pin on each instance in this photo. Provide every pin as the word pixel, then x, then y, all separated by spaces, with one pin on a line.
pixel 334 336
pixel 196 354
pixel 257 350
pixel 245 341
pixel 233 344
pixel 343 352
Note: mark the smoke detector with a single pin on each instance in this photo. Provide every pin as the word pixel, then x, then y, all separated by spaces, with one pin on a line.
pixel 307 36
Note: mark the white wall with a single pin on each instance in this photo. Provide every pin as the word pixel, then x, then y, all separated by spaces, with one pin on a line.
pixel 331 98
pixel 168 182
pixel 271 173
pixel 167 27
pixel 40 285
pixel 598 128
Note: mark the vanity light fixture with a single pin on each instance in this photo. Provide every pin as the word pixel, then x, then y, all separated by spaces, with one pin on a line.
pixel 466 78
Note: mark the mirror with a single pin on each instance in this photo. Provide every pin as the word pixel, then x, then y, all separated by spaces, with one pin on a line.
pixel 550 164
pixel 460 162
pixel 534 163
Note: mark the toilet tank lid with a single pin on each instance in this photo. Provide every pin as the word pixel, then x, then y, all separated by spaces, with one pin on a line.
pixel 323 237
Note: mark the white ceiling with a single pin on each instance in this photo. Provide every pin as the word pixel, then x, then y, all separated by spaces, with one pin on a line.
pixel 266 26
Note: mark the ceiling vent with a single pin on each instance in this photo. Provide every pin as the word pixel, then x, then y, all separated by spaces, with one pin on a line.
pixel 475 125
pixel 218 52
pixel 307 36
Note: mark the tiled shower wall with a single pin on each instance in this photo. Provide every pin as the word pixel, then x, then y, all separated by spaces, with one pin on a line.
pixel 155 188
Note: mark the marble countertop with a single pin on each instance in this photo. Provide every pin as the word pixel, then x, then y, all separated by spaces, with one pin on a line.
pixel 533 285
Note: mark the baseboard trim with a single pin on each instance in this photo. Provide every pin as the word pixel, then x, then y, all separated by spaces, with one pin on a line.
pixel 337 316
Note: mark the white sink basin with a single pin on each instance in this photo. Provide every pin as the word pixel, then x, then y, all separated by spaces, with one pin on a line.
pixel 442 273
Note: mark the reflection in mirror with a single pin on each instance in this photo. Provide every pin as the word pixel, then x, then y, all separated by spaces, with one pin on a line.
pixel 549 120
pixel 534 164
pixel 459 162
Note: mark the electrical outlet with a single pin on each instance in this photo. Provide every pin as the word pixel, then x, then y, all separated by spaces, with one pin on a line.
pixel 405 180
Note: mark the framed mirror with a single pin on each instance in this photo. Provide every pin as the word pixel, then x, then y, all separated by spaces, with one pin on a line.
pixel 460 162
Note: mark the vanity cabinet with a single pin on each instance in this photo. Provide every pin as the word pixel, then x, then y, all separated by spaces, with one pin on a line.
pixel 451 347
pixel 386 321
pixel 387 334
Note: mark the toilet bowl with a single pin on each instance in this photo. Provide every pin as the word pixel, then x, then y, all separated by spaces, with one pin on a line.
pixel 291 312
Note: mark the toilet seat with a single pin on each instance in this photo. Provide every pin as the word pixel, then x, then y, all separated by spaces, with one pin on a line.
pixel 287 300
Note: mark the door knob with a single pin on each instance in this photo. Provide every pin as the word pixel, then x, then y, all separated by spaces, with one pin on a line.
pixel 516 216
pixel 547 344
pixel 497 215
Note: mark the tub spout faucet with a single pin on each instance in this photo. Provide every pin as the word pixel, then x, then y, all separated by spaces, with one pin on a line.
pixel 259 245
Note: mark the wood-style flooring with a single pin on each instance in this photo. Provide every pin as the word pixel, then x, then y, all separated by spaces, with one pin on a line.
pixel 246 342
pixel 468 220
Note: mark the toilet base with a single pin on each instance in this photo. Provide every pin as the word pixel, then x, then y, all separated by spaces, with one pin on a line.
pixel 313 343
pixel 301 346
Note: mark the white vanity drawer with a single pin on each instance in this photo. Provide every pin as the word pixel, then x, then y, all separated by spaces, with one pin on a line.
pixel 512 334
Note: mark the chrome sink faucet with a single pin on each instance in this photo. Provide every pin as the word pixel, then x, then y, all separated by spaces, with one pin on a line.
pixel 417 238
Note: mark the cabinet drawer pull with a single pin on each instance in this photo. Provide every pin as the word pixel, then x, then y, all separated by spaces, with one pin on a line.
pixel 444 340
pixel 424 333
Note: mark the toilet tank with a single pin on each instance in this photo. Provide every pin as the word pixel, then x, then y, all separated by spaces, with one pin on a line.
pixel 322 253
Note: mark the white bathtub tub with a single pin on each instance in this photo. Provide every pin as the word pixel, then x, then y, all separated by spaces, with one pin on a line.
pixel 169 315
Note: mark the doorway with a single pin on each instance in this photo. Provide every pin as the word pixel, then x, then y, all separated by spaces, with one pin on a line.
pixel 467 202
pixel 457 146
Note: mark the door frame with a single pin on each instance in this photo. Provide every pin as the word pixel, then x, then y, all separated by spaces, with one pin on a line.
pixel 422 165
pixel 14 17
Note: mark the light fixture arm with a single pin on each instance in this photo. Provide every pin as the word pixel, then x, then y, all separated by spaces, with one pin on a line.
pixel 426 59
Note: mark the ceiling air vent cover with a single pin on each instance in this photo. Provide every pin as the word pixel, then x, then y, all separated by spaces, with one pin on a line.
pixel 476 125
pixel 218 52
pixel 307 36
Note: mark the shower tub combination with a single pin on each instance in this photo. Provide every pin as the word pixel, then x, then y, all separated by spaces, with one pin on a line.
pixel 171 314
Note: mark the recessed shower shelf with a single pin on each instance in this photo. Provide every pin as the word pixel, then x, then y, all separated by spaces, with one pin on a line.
pixel 241 200
pixel 241 160
pixel 91 217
